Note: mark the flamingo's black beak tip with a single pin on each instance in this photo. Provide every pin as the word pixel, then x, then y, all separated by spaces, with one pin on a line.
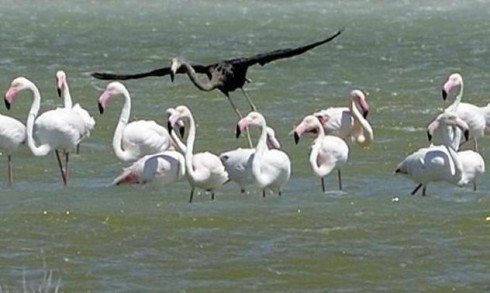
pixel 182 131
pixel 365 114
pixel 296 138
pixel 238 131
pixel 466 134
pixel 429 136
pixel 101 108
pixel 444 95
pixel 169 126
pixel 7 104
pixel 59 92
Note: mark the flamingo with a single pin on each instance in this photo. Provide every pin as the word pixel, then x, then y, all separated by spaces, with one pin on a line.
pixel 12 134
pixel 238 162
pixel 138 138
pixel 59 129
pixel 328 152
pixel 473 115
pixel 340 122
pixel 164 168
pixel 64 91
pixel 443 162
pixel 203 170
pixel 271 168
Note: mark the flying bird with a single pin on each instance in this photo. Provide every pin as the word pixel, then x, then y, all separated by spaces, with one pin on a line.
pixel 226 76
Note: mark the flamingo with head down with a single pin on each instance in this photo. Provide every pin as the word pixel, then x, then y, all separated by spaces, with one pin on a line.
pixel 271 168
pixel 341 121
pixel 203 170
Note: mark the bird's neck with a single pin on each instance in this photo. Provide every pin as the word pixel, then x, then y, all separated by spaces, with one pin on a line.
pixel 191 73
pixel 189 156
pixel 122 154
pixel 362 130
pixel 260 151
pixel 458 98
pixel 41 150
pixel 67 101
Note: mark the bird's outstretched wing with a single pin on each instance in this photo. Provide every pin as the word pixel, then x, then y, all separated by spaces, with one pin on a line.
pixel 265 58
pixel 157 72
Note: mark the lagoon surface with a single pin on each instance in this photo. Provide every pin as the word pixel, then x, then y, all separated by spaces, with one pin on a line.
pixel 372 236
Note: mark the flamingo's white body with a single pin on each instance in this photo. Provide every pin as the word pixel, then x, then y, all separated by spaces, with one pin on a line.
pixel 271 168
pixel 327 153
pixel 163 168
pixel 12 134
pixel 238 162
pixel 64 91
pixel 473 115
pixel 59 129
pixel 443 162
pixel 138 138
pixel 203 170
pixel 339 121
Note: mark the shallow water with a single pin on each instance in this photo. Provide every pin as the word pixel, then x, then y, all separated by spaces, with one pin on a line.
pixel 372 236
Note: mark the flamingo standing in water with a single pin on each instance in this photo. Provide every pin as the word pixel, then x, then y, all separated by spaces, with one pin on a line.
pixel 64 91
pixel 60 129
pixel 238 162
pixel 271 169
pixel 328 152
pixel 473 115
pixel 138 138
pixel 340 121
pixel 203 170
pixel 12 134
pixel 163 168
pixel 443 162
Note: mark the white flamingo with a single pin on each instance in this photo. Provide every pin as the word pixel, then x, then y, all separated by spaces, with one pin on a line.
pixel 340 122
pixel 203 170
pixel 327 153
pixel 238 162
pixel 473 115
pixel 60 129
pixel 138 138
pixel 443 162
pixel 64 92
pixel 271 169
pixel 12 134
pixel 164 168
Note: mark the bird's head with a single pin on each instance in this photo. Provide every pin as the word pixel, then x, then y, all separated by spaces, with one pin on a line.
pixel 309 124
pixel 272 141
pixel 175 64
pixel 253 118
pixel 17 85
pixel 177 116
pixel 447 119
pixel 360 100
pixel 114 88
pixel 453 81
pixel 180 123
pixel 60 81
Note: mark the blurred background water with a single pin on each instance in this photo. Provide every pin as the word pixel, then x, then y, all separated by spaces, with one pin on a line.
pixel 373 236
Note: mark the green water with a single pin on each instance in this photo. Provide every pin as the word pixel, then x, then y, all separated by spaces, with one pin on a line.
pixel 373 236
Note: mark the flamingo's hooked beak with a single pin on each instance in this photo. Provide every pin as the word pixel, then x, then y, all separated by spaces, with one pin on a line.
pixel 466 134
pixel 7 103
pixel 296 137
pixel 101 108
pixel 444 94
pixel 238 131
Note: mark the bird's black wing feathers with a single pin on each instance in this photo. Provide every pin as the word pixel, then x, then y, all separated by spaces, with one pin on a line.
pixel 157 72
pixel 265 58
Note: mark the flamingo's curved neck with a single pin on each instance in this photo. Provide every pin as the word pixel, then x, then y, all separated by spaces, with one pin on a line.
pixel 458 98
pixel 260 151
pixel 191 73
pixel 315 148
pixel 456 165
pixel 191 137
pixel 362 132
pixel 44 149
pixel 66 96
pixel 122 154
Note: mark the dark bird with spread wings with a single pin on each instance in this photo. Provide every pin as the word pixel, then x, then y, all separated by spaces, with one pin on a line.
pixel 226 76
